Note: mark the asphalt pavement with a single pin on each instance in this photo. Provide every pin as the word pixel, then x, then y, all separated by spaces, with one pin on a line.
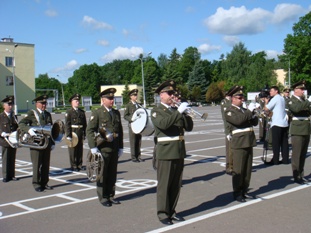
pixel 206 202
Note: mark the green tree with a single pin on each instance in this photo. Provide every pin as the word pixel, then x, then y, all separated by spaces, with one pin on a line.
pixel 187 62
pixel 172 72
pixel 214 93
pixel 298 51
pixel 48 86
pixel 197 78
pixel 125 94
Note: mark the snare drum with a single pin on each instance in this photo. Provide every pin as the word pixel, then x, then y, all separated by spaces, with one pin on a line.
pixel 141 122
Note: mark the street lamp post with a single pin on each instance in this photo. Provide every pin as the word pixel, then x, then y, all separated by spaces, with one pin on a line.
pixel 289 71
pixel 14 81
pixel 63 94
pixel 141 58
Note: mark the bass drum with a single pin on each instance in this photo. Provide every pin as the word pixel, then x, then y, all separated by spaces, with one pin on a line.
pixel 141 122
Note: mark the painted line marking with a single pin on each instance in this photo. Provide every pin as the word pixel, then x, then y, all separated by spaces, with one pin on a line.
pixel 229 209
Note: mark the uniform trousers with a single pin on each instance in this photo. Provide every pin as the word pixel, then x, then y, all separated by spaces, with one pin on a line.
pixel 106 185
pixel 8 162
pixel 229 161
pixel 280 142
pixel 300 145
pixel 40 166
pixel 135 144
pixel 169 175
pixel 242 170
pixel 76 155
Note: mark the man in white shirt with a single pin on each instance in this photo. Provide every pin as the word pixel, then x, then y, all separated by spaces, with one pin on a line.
pixel 279 126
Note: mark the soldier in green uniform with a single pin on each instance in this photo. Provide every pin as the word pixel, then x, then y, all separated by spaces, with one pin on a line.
pixel 75 121
pixel 286 97
pixel 109 119
pixel 241 122
pixel 299 130
pixel 263 120
pixel 225 103
pixel 170 152
pixel 40 158
pixel 135 139
pixel 8 124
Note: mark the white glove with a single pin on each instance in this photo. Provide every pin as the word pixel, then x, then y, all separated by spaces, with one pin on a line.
pixel 52 147
pixel 4 134
pixel 229 137
pixel 120 152
pixel 251 107
pixel 69 139
pixel 183 107
pixel 95 150
pixel 32 132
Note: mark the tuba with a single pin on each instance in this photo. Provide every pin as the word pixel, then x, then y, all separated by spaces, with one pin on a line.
pixel 94 166
pixel 41 140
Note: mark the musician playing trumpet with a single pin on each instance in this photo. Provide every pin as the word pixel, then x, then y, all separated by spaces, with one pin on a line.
pixel 8 124
pixel 40 158
pixel 135 139
pixel 169 125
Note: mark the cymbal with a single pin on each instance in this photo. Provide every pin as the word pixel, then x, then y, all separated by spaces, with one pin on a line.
pixel 74 140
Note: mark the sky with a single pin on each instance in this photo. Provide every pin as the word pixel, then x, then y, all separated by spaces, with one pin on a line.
pixel 71 33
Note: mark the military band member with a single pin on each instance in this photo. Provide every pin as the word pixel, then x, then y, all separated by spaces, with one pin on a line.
pixel 109 118
pixel 8 124
pixel 241 122
pixel 135 139
pixel 75 121
pixel 225 103
pixel 40 158
pixel 263 120
pixel 170 152
pixel 299 130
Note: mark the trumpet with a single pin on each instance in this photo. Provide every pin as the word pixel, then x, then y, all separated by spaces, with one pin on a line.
pixel 191 112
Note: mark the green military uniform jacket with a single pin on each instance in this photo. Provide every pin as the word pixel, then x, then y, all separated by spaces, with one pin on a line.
pixel 102 118
pixel 7 125
pixel 76 118
pixel 225 103
pixel 130 108
pixel 170 124
pixel 241 122
pixel 300 110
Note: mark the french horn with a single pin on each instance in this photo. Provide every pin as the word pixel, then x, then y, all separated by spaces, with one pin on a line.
pixel 94 166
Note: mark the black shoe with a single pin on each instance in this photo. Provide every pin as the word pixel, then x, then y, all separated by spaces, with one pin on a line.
pixel 15 179
pixel 115 202
pixel 166 221
pixel 107 203
pixel 299 180
pixel 240 199
pixel 5 180
pixel 82 168
pixel 77 169
pixel 39 189
pixel 177 218
pixel 135 161
pixel 140 160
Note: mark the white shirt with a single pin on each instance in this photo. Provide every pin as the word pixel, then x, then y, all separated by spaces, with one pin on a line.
pixel 277 106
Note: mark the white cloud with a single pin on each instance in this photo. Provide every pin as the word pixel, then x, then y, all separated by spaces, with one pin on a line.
pixel 82 50
pixel 287 12
pixel 231 40
pixel 207 48
pixel 70 66
pixel 273 54
pixel 51 13
pixel 237 21
pixel 121 53
pixel 89 21
pixel 103 42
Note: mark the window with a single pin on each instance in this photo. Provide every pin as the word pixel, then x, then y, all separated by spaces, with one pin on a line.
pixel 9 61
pixel 9 80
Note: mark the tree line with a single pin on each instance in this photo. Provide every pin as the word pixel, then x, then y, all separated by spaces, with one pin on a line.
pixel 197 79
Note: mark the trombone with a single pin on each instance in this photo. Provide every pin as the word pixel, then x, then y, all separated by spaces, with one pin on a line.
pixel 191 112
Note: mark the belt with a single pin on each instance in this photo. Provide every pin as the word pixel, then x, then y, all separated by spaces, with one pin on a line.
pixel 167 139
pixel 77 126
pixel 300 118
pixel 250 129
